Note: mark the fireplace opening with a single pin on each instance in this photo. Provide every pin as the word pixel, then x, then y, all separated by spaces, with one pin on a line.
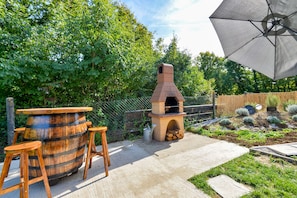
pixel 171 105
pixel 173 131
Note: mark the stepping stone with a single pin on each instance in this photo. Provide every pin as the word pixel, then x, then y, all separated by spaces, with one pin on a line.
pixel 285 149
pixel 226 187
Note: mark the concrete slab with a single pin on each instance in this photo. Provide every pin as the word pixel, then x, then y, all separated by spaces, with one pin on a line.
pixel 158 169
pixel 280 150
pixel 285 149
pixel 227 187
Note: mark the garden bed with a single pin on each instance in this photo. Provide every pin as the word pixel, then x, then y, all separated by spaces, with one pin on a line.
pixel 260 133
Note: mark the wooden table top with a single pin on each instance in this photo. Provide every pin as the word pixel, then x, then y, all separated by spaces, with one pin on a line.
pixel 58 110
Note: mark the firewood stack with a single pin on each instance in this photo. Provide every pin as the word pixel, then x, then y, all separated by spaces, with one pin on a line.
pixel 173 134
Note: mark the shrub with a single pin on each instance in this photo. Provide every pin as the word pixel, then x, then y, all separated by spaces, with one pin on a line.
pixel 287 103
pixel 273 120
pixel 248 120
pixel 292 109
pixel 272 100
pixel 242 112
pixel 225 122
pixel 294 118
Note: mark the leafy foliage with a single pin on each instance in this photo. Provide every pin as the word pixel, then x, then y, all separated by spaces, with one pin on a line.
pixel 90 48
pixel 187 77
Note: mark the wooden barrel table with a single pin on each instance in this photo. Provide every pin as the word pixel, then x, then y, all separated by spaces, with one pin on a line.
pixel 63 133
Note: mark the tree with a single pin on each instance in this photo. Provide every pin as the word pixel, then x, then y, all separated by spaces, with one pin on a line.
pixel 187 78
pixel 213 69
pixel 239 78
pixel 73 51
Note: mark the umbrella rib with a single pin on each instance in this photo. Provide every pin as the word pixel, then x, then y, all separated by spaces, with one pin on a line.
pixel 269 8
pixel 232 19
pixel 291 14
pixel 244 45
pixel 256 26
pixel 263 33
pixel 290 29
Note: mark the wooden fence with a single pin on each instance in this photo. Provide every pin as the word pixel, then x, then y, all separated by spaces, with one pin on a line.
pixel 227 104
pixel 136 120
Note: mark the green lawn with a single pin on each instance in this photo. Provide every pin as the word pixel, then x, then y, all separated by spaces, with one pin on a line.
pixel 277 178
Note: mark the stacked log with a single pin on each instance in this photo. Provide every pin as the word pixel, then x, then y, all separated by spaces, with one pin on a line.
pixel 173 134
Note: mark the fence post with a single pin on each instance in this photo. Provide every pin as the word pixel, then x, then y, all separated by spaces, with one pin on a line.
pixel 10 119
pixel 213 105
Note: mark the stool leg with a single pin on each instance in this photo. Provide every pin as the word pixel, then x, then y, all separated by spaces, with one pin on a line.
pixel 25 182
pixel 5 169
pixel 104 150
pixel 93 150
pixel 89 153
pixel 104 141
pixel 43 172
pixel 22 167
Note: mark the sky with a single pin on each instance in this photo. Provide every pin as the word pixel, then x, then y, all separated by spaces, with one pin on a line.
pixel 187 19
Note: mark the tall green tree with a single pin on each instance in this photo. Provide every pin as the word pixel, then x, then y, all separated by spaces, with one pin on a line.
pixel 73 51
pixel 214 69
pixel 187 78
pixel 239 78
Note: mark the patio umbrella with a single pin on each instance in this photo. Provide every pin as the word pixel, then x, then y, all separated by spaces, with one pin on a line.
pixel 259 34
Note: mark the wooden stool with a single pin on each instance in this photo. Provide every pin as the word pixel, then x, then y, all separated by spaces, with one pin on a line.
pixel 18 132
pixel 23 149
pixel 92 149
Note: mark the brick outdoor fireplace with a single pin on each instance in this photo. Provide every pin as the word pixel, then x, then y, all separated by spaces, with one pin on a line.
pixel 167 107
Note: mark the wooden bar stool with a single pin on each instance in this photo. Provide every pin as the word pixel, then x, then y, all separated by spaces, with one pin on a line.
pixel 18 132
pixel 92 152
pixel 90 125
pixel 23 149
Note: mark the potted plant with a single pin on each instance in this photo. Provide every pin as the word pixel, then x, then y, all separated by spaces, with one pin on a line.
pixel 272 102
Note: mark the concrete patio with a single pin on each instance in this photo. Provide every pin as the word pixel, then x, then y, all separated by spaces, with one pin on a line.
pixel 157 169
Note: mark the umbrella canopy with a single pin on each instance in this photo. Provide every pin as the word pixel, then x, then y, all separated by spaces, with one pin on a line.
pixel 259 34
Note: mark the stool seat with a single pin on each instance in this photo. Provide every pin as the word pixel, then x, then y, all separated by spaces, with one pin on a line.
pixel 23 149
pixel 26 146
pixel 100 129
pixel 92 152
